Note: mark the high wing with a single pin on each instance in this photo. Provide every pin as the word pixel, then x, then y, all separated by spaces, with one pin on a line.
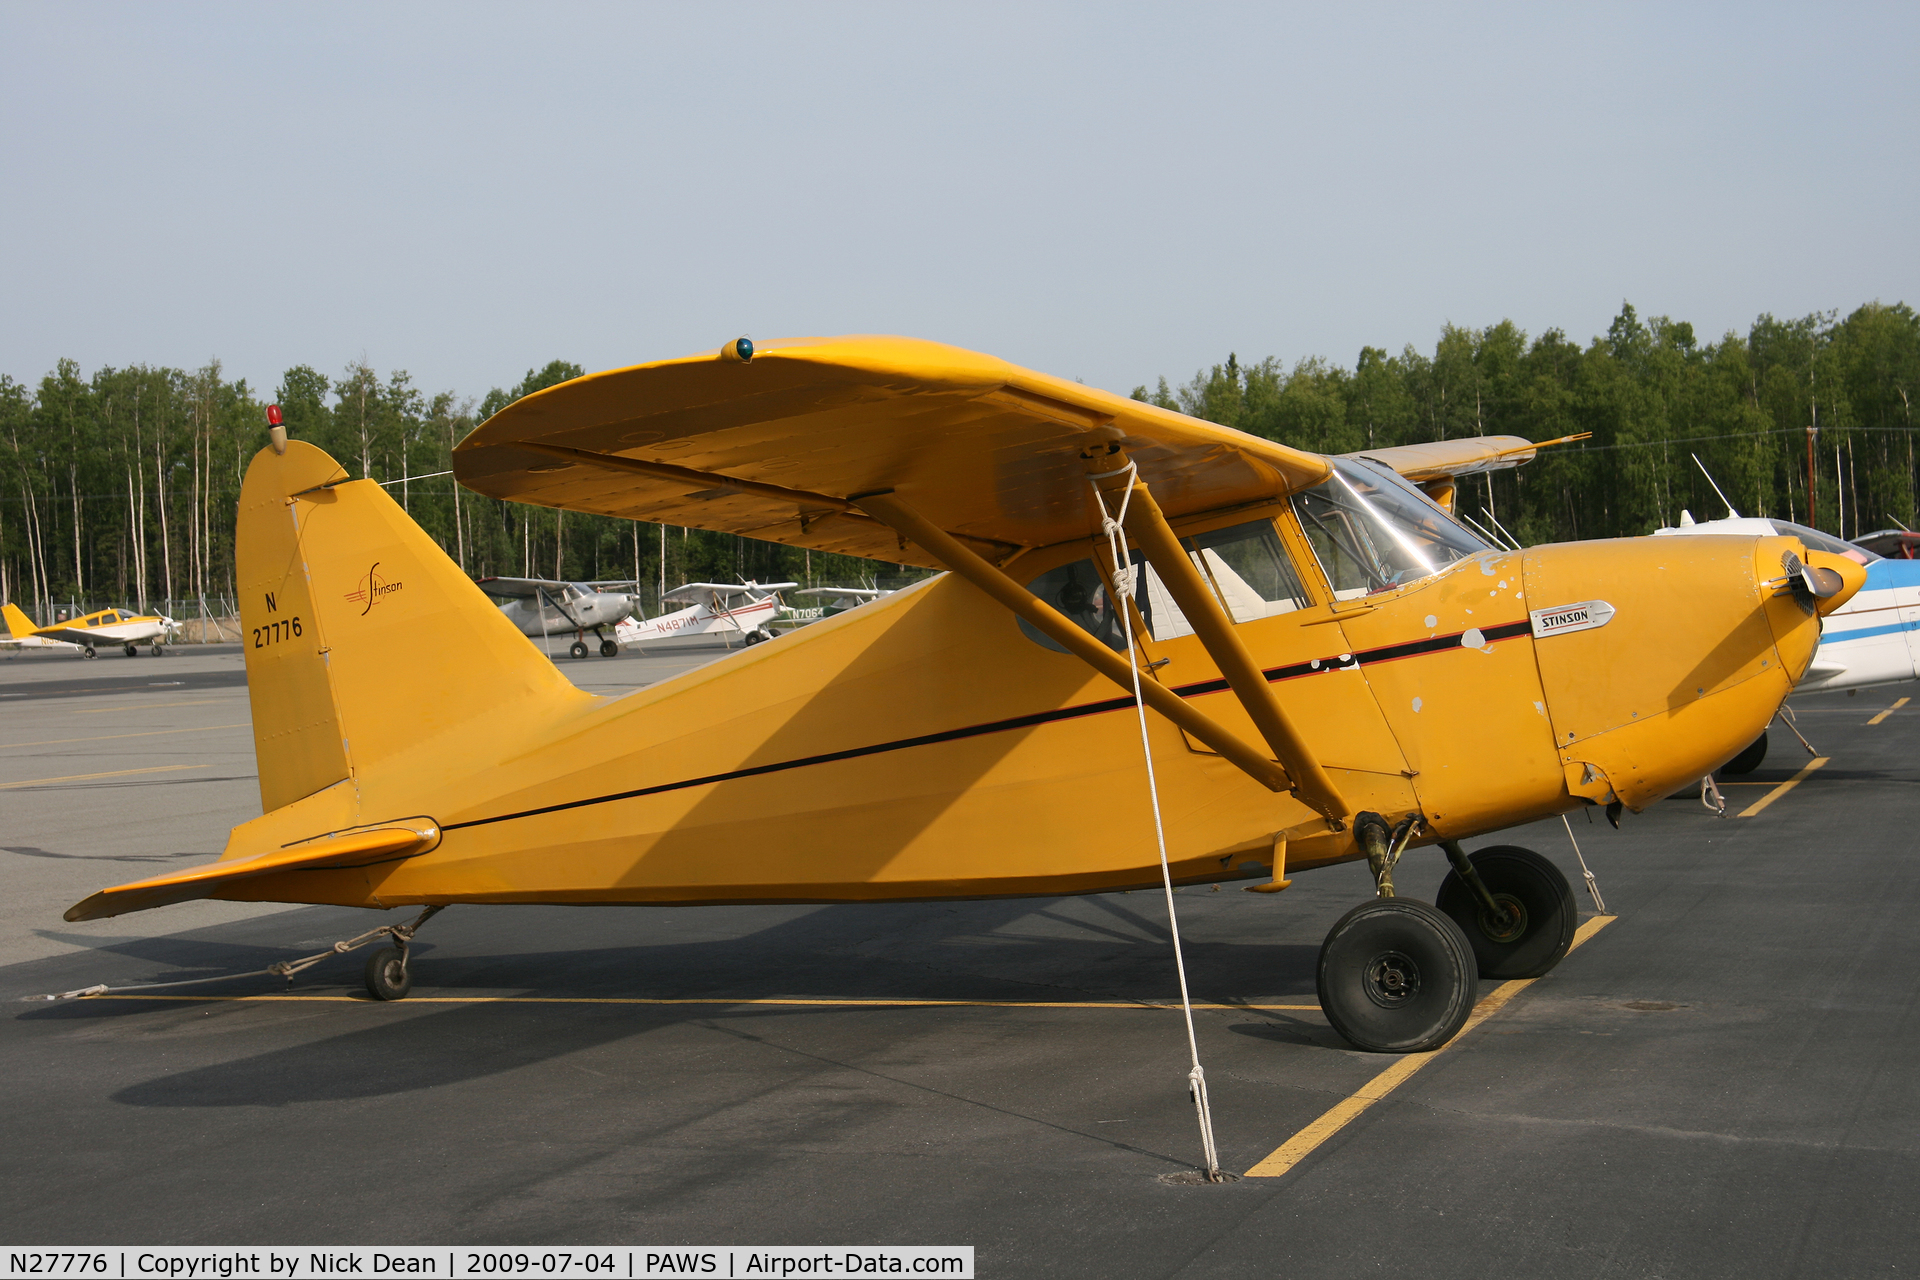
pixel 775 446
pixel 520 588
pixel 844 593
pixel 1447 459
pixel 726 590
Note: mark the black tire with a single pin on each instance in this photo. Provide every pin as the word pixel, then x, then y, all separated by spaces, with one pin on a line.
pixel 1749 758
pixel 388 975
pixel 1396 976
pixel 1537 929
pixel 608 649
pixel 133 650
pixel 752 638
pixel 155 651
pixel 579 649
pixel 90 652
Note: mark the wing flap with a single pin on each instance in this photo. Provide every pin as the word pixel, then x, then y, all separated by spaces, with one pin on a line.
pixel 361 848
pixel 774 448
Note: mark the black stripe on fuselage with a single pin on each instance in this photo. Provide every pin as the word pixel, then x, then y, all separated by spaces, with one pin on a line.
pixel 1274 675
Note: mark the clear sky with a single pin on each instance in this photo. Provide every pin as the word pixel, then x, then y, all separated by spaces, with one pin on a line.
pixel 1109 192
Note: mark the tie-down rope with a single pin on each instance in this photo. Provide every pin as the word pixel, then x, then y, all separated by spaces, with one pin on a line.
pixel 1124 585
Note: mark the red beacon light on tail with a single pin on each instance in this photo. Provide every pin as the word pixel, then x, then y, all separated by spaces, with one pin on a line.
pixel 276 434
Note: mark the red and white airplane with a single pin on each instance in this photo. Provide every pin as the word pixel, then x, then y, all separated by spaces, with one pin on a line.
pixel 718 610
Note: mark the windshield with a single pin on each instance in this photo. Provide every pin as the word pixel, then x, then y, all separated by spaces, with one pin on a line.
pixel 1825 542
pixel 1372 530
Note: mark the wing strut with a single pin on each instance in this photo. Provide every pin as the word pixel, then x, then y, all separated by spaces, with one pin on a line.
pixel 948 550
pixel 1215 631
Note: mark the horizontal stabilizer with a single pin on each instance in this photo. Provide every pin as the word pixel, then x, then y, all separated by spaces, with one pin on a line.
pixel 388 843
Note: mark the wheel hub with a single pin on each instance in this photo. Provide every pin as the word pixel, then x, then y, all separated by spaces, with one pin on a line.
pixel 1392 979
pixel 1507 921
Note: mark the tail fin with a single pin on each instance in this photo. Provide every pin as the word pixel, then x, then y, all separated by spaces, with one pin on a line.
pixel 18 624
pixel 364 642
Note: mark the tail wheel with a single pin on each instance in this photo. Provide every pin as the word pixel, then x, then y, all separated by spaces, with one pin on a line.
pixel 388 977
pixel 608 649
pixel 1396 976
pixel 579 649
pixel 1749 759
pixel 1533 923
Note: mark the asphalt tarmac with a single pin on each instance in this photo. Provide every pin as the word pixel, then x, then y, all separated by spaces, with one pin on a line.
pixel 1720 1081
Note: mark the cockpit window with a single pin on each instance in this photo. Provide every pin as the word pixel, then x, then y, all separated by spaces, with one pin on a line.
pixel 1372 530
pixel 1243 564
pixel 1819 541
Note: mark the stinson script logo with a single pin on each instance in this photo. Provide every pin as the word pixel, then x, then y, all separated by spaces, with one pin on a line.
pixel 373 590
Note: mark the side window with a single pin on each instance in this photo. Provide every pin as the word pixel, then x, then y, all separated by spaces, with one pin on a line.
pixel 1247 569
pixel 1243 564
pixel 1078 591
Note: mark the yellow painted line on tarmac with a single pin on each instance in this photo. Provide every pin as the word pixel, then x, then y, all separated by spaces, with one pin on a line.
pixel 147 706
pixel 1344 1112
pixel 804 1001
pixel 116 773
pixel 1782 789
pixel 107 737
pixel 1889 711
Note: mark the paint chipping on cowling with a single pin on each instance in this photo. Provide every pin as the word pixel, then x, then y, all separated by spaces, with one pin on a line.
pixel 1416 706
pixel 1486 567
pixel 1540 708
pixel 1432 622
pixel 1473 638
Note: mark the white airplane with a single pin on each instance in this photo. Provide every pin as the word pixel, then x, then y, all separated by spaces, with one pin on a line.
pixel 841 599
pixel 98 629
pixel 717 609
pixel 542 607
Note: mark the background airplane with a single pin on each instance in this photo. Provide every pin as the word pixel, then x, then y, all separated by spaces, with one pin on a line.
pixel 544 607
pixel 99 629
pixel 1872 639
pixel 717 609
pixel 841 599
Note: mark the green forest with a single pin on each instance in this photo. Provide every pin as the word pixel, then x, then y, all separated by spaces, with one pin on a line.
pixel 120 487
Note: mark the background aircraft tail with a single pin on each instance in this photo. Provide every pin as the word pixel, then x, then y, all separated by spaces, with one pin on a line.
pixel 18 624
pixel 364 642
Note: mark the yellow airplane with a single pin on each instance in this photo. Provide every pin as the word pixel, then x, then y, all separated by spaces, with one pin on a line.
pixel 100 629
pixel 1335 669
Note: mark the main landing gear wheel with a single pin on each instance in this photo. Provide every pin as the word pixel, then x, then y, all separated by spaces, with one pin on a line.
pixel 90 652
pixel 1748 760
pixel 133 650
pixel 1530 926
pixel 579 649
pixel 608 648
pixel 388 977
pixel 755 637
pixel 1396 976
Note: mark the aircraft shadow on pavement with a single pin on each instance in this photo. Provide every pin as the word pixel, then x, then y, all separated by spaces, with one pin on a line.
pixel 1088 949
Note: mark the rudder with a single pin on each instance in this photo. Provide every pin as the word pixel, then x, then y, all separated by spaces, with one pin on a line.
pixel 364 641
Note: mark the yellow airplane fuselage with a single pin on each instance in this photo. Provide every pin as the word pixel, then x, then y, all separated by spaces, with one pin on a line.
pixel 924 746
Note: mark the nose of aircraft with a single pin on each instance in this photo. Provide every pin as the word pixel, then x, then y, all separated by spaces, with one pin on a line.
pixel 1660 658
